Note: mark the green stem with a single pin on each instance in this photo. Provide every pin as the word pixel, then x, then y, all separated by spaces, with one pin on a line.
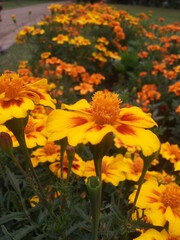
pixel 140 182
pixel 94 190
pixel 19 165
pixel 63 144
pixel 69 170
pixel 24 149
pixel 98 165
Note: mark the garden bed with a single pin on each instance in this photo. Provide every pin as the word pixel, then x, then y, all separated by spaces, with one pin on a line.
pixel 90 128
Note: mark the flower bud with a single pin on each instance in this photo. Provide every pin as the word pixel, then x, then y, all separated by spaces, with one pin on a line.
pixel 5 142
pixel 70 152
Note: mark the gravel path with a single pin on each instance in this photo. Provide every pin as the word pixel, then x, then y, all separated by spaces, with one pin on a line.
pixel 8 29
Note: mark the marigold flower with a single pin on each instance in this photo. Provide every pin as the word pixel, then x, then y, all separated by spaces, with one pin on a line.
pixel 171 152
pixel 175 88
pixel 111 169
pixel 161 204
pixel 84 88
pixel 85 122
pixel 17 97
pixel 152 234
pixel 48 153
pixel 77 167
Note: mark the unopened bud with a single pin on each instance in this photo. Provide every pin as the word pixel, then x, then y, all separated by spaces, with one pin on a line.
pixel 70 152
pixel 5 142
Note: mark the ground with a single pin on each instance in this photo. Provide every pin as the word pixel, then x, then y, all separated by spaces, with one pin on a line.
pixel 8 29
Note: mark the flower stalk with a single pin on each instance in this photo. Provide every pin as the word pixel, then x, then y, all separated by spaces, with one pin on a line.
pixel 17 126
pixel 147 163
pixel 94 191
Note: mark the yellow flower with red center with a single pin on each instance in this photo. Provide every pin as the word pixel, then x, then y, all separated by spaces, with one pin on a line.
pixel 85 122
pixel 111 169
pixel 77 167
pixel 79 41
pixel 162 178
pixel 50 152
pixel 45 55
pixel 161 204
pixel 134 167
pixel 171 152
pixel 38 31
pixel 61 39
pixel 17 97
pixel 152 234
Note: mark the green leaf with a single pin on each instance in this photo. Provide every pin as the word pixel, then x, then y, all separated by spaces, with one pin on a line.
pixel 42 236
pixel 22 232
pixel 6 233
pixel 11 216
pixel 14 181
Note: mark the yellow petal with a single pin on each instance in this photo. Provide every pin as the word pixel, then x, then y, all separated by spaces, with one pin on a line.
pixel 134 116
pixel 150 234
pixel 72 125
pixel 173 217
pixel 15 108
pixel 81 105
pixel 138 137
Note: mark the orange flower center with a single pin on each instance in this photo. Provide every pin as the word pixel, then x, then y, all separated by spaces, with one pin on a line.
pixel 171 196
pixel 11 84
pixel 29 127
pixel 105 107
pixel 50 148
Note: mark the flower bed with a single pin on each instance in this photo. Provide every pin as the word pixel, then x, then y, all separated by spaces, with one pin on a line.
pixel 96 114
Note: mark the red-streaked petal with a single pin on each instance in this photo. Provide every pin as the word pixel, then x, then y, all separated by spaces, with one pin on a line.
pixel 73 125
pixel 15 108
pixel 138 137
pixel 95 133
pixel 134 116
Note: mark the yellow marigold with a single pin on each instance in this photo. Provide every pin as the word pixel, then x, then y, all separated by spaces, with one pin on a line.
pixel 77 167
pixel 161 204
pixel 85 122
pixel 79 41
pixel 60 39
pixel 111 169
pixel 171 152
pixel 152 234
pixel 17 97
pixel 50 152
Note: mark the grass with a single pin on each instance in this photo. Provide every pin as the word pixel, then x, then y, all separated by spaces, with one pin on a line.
pixel 170 15
pixel 9 60
pixel 22 3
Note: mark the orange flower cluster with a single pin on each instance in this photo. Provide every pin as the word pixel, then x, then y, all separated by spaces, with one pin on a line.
pixel 148 94
pixel 175 88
